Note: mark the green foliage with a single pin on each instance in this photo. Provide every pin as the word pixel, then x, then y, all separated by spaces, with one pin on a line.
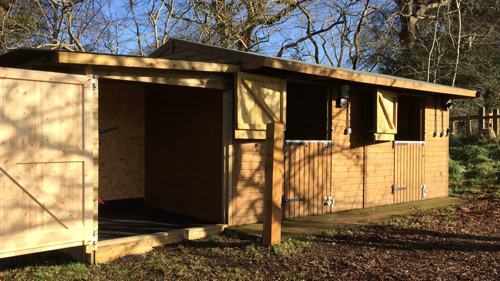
pixel 445 217
pixel 474 166
pixel 290 246
pixel 431 52
pixel 457 171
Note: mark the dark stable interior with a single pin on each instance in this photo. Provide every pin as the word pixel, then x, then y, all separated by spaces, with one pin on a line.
pixel 410 118
pixel 306 112
pixel 182 184
pixel 122 218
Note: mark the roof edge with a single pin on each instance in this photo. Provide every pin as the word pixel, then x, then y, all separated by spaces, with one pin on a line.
pixel 254 61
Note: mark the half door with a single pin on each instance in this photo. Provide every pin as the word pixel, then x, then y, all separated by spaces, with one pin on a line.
pixel 409 160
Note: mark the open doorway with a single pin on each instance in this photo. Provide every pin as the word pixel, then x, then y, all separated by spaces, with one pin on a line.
pixel 307 113
pixel 160 158
pixel 410 119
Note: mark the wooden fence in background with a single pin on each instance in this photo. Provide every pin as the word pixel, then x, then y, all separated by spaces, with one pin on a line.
pixel 484 123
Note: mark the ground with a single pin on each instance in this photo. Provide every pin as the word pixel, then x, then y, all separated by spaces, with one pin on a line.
pixel 458 242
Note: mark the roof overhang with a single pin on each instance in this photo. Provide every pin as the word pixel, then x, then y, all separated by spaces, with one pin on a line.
pixel 204 58
pixel 361 77
pixel 182 49
pixel 36 57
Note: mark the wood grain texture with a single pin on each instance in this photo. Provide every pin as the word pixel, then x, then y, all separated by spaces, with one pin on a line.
pixel 347 151
pixel 409 167
pixel 362 170
pixel 122 140
pixel 255 62
pixel 275 138
pixel 140 62
pixel 259 100
pixel 113 249
pixel 307 181
pixel 46 154
pixel 437 147
pixel 248 184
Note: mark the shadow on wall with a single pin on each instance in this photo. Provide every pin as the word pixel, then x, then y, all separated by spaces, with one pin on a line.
pixel 308 174
pixel 45 156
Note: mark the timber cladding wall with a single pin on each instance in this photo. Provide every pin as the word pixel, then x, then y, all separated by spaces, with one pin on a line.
pixel 307 179
pixel 184 150
pixel 248 181
pixel 379 174
pixel 121 140
pixel 363 170
pixel 436 148
pixel 347 158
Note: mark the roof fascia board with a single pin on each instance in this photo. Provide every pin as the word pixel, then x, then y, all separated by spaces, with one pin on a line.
pixel 139 62
pixel 251 61
pixel 359 77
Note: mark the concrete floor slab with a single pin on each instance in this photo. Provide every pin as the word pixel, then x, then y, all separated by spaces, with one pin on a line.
pixel 315 224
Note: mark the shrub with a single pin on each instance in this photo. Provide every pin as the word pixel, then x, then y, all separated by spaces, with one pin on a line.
pixel 457 171
pixel 474 165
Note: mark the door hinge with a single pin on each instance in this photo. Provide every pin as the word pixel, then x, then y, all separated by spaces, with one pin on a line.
pixel 397 189
pixel 290 200
pixel 94 82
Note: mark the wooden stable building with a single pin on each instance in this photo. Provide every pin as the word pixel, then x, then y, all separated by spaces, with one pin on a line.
pixel 118 154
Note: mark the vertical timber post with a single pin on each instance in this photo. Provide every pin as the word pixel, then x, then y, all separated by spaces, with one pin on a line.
pixel 90 250
pixel 496 127
pixel 227 138
pixel 273 184
pixel 482 120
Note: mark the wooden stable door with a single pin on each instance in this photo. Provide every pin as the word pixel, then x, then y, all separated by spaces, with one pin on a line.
pixel 45 161
pixel 409 159
pixel 307 184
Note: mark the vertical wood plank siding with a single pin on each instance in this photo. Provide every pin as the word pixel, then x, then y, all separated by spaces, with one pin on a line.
pixel 380 174
pixel 46 179
pixel 357 179
pixel 306 183
pixel 409 172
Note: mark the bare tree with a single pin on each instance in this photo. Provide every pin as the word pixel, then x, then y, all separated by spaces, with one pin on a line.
pixel 75 25
pixel 310 34
pixel 242 24
pixel 459 37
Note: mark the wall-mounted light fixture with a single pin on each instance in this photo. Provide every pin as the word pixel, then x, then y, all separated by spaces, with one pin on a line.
pixel 448 105
pixel 343 97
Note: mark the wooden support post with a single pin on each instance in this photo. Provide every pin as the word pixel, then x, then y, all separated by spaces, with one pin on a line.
pixel 496 127
pixel 481 119
pixel 227 138
pixel 273 184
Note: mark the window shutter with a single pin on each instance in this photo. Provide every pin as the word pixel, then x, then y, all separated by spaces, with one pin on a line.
pixel 386 112
pixel 259 100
